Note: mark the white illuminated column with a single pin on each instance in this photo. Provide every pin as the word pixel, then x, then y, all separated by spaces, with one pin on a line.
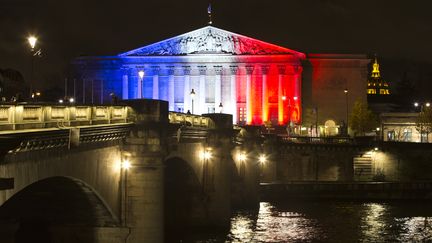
pixel 155 82
pixel 140 84
pixel 217 88
pixel 202 90
pixel 233 93
pixel 171 88
pixel 186 89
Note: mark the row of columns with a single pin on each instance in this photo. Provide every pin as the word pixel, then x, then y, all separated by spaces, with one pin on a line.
pixel 229 105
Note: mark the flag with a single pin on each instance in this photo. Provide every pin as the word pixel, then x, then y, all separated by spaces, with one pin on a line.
pixel 209 10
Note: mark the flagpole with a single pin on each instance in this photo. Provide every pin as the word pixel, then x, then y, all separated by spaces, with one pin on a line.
pixel 209 12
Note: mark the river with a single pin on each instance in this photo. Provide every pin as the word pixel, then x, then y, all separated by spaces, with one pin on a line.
pixel 327 221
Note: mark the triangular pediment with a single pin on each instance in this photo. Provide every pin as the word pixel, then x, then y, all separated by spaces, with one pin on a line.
pixel 211 40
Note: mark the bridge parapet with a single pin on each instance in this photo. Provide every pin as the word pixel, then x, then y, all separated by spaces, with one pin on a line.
pixel 191 120
pixel 33 116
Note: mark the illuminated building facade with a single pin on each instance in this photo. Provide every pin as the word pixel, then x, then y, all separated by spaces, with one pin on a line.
pixel 255 81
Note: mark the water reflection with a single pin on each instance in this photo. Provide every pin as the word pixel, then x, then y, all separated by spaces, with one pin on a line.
pixel 333 222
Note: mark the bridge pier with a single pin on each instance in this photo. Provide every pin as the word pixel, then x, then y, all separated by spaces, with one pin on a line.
pixel 217 181
pixel 246 186
pixel 145 149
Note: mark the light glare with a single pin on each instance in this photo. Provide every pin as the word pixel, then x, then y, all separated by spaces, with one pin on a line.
pixel 32 41
pixel 262 159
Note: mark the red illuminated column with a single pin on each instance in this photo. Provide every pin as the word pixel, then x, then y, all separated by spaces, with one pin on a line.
pixel 233 93
pixel 249 115
pixel 298 85
pixel 265 110
pixel 156 82
pixel 171 88
pixel 201 106
pixel 281 70
pixel 187 89
pixel 218 80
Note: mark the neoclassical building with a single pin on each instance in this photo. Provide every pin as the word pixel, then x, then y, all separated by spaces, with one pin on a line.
pixel 213 70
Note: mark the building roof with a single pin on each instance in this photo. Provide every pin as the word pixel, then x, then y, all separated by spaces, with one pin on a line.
pixel 211 40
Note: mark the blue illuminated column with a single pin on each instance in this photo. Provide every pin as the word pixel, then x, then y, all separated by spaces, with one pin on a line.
pixel 217 88
pixel 171 87
pixel 155 82
pixel 187 89
pixel 201 106
pixel 233 93
pixel 125 85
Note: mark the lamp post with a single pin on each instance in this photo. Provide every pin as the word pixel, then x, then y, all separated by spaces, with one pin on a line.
pixel 346 103
pixel 192 95
pixel 140 83
pixel 427 104
pixel 289 112
pixel 32 40
pixel 220 107
pixel 205 156
pixel 124 167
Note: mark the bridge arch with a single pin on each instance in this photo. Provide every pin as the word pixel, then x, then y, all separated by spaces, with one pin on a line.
pixel 43 207
pixel 184 196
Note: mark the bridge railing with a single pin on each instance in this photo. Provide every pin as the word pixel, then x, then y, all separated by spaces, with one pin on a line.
pixel 33 116
pixel 190 120
pixel 316 140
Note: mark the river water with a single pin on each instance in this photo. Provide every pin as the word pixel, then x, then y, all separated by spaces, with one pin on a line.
pixel 326 221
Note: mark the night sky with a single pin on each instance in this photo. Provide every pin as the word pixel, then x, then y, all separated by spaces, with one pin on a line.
pixel 400 32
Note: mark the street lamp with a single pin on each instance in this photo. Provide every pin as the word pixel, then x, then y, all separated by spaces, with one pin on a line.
pixel 140 83
pixel 427 104
pixel 32 40
pixel 289 112
pixel 206 155
pixel 220 107
pixel 346 103
pixel 192 95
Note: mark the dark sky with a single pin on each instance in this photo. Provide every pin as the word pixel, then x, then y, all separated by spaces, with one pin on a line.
pixel 400 32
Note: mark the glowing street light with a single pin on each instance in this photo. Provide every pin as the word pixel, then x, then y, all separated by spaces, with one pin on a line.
pixel 262 158
pixel 125 164
pixel 192 95
pixel 140 83
pixel 71 100
pixel 60 101
pixel 32 41
pixel 220 108
pixel 346 103
pixel 241 157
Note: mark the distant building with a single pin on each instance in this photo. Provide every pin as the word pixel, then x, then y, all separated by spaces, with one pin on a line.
pixel 376 84
pixel 211 70
pixel 401 127
pixel 380 100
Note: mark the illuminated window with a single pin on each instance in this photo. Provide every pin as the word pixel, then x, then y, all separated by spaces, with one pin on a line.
pixel 371 91
pixel 407 135
pixel 391 136
pixel 242 114
pixel 384 91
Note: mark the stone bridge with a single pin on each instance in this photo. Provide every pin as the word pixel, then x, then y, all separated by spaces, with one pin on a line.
pixel 121 173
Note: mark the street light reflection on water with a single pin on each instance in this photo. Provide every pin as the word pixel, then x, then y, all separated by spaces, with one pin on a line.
pixel 329 221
